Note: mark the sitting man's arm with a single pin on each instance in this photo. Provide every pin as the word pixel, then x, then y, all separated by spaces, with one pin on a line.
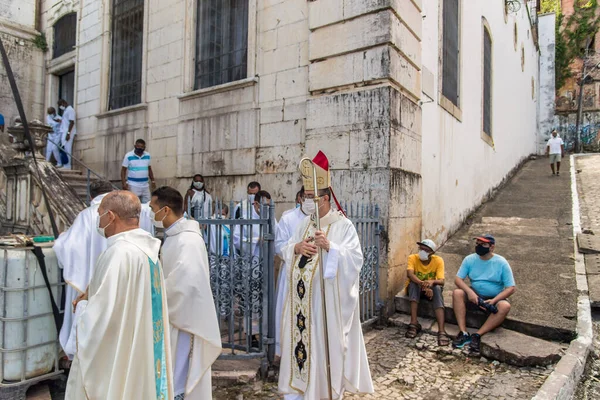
pixel 460 283
pixel 503 295
pixel 509 284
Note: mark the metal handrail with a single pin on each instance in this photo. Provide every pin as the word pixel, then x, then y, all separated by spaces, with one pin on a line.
pixel 89 170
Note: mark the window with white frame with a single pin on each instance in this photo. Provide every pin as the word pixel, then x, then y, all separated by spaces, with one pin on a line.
pixel 221 42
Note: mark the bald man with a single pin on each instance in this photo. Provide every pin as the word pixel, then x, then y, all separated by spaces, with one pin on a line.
pixel 123 348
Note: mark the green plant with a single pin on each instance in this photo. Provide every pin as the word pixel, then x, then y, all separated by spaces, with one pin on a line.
pixel 40 42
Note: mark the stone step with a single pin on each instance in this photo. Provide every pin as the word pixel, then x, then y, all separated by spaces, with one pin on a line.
pixel 476 319
pixel 504 345
pixel 230 372
pixel 69 172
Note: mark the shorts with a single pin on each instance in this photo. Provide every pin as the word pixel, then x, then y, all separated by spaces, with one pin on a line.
pixel 142 192
pixel 415 294
pixel 475 307
pixel 555 158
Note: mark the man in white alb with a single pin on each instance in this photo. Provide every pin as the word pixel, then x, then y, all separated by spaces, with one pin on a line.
pixel 303 371
pixel 283 233
pixel 122 334
pixel 195 334
pixel 555 150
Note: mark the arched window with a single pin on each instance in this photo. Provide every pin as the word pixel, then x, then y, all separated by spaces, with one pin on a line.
pixel 65 35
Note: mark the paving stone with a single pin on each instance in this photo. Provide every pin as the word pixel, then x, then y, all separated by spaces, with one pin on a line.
pixel 594 290
pixel 588 244
pixel 517 349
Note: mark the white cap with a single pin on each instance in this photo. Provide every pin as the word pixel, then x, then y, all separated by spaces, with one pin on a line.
pixel 429 243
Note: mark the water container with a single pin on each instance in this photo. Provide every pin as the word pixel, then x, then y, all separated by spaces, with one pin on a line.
pixel 29 347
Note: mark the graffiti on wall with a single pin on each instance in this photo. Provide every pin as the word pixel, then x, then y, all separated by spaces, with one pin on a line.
pixel 590 129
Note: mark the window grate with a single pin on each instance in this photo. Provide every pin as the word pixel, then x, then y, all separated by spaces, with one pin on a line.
pixel 126 60
pixel 222 42
pixel 487 83
pixel 65 35
pixel 451 48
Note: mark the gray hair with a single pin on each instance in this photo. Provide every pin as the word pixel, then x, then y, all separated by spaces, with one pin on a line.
pixel 123 203
pixel 100 187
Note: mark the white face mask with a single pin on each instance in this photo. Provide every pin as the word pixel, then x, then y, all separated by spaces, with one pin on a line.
pixel 157 224
pixel 251 198
pixel 102 231
pixel 198 185
pixel 62 108
pixel 423 255
pixel 308 206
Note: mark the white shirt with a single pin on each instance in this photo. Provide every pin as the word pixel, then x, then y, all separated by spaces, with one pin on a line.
pixel 67 117
pixel 555 144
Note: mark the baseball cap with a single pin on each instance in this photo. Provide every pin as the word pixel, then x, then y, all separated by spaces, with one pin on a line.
pixel 428 243
pixel 486 238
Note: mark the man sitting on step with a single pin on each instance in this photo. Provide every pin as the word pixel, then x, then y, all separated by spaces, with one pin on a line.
pixel 492 283
pixel 426 280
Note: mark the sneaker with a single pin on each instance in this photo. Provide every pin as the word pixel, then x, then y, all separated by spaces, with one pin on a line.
pixel 462 339
pixel 475 342
pixel 558 174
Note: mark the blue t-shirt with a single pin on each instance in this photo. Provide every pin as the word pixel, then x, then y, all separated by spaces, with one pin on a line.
pixel 488 278
pixel 1 119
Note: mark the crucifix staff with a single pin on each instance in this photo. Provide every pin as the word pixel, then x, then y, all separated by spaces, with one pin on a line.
pixel 305 164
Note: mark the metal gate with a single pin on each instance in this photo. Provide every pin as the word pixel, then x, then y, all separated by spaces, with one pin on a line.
pixel 242 273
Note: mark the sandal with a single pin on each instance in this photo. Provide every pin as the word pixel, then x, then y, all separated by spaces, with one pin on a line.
pixel 443 339
pixel 413 331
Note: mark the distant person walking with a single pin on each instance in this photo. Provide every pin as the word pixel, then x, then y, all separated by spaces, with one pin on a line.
pixel 555 150
pixel 54 121
pixel 68 129
pixel 136 172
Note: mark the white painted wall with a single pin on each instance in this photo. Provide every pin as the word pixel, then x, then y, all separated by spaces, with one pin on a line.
pixel 459 168
pixel 20 12
pixel 546 104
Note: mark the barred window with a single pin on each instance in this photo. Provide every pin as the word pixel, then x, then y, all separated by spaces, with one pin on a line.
pixel 487 82
pixel 126 60
pixel 451 50
pixel 222 42
pixel 65 35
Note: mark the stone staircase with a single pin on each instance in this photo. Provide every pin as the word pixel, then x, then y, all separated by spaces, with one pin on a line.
pixel 78 181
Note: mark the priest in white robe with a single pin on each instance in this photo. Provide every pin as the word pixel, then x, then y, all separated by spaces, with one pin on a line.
pixel 303 372
pixel 77 251
pixel 195 334
pixel 123 342
pixel 283 233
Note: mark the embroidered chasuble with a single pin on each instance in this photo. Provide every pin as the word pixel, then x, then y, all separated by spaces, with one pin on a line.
pixel 122 335
pixel 303 365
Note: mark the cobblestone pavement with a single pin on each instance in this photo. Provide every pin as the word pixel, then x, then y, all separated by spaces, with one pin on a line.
pixel 419 369
pixel 588 184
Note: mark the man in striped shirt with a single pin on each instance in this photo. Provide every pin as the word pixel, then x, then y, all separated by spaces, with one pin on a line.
pixel 136 172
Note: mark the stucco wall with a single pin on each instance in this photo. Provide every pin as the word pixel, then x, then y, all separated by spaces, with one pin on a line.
pixel 21 12
pixel 459 168
pixel 547 93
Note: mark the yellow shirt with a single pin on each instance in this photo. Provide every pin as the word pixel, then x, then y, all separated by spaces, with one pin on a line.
pixel 434 270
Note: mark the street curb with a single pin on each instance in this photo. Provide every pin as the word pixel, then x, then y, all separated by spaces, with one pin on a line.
pixel 562 382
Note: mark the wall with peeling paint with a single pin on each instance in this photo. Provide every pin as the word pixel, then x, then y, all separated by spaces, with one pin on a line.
pixel 459 167
pixel 547 96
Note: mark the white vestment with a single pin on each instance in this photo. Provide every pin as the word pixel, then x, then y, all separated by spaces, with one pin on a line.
pixel 201 204
pixel 123 343
pixel 54 139
pixel 289 222
pixel 303 370
pixel 77 251
pixel 191 309
pixel 246 242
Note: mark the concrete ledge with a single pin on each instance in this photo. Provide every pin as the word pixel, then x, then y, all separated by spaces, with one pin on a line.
pixel 562 383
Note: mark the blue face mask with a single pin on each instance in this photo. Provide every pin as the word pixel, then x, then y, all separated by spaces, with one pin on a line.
pixel 297 205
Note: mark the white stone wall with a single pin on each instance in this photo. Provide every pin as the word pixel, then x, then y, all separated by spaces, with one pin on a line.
pixel 459 168
pixel 546 105
pixel 18 12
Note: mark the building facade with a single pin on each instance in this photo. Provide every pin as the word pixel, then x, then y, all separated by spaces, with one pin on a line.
pixel 413 101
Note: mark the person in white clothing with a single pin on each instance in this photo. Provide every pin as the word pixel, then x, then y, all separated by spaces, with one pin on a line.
pixel 54 121
pixel 68 129
pixel 555 150
pixel 195 334
pixel 284 231
pixel 136 172
pixel 198 199
pixel 77 251
pixel 244 209
pixel 122 321
pixel 303 367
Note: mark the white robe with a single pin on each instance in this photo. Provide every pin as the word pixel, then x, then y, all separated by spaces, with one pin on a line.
pixel 123 344
pixel 191 308
pixel 77 251
pixel 349 363
pixel 202 203
pixel 246 242
pixel 290 220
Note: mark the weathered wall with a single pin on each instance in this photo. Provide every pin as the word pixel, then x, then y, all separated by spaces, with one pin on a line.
pixel 459 167
pixel 589 128
pixel 547 92
pixel 21 12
